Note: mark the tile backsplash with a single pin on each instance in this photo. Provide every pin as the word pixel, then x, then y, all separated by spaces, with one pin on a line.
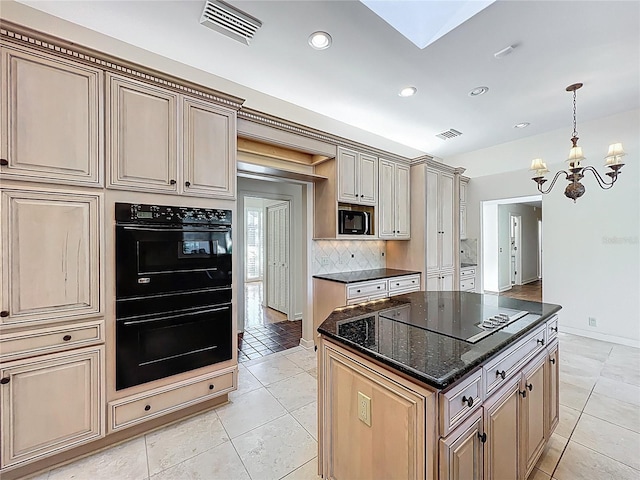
pixel 331 256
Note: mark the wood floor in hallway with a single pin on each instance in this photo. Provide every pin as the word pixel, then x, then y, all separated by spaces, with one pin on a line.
pixel 530 291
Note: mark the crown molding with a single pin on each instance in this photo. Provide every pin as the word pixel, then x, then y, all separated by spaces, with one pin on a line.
pixel 18 35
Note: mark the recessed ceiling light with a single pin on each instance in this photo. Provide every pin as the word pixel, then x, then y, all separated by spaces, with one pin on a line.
pixel 478 91
pixel 408 91
pixel 521 125
pixel 320 40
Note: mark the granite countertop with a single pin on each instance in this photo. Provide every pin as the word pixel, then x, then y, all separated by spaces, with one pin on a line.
pixel 364 275
pixel 465 265
pixel 408 346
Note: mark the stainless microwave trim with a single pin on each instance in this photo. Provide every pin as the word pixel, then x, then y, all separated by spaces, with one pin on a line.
pixel 348 231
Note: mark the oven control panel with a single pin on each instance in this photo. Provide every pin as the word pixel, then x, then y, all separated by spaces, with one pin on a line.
pixel 162 214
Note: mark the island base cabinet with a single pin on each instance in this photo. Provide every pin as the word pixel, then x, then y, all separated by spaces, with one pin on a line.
pixel 553 414
pixel 392 443
pixel 461 452
pixel 534 405
pixel 51 403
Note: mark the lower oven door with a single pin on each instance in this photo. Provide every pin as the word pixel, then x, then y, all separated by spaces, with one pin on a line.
pixel 153 347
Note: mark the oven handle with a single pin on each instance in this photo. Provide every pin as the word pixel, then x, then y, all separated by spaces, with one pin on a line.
pixel 168 317
pixel 156 229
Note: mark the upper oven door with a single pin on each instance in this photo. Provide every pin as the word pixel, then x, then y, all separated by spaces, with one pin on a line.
pixel 157 259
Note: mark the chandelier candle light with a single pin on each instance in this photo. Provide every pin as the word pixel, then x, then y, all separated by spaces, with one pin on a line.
pixel 575 189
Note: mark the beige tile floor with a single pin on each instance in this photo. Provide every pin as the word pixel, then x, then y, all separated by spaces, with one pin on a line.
pixel 269 428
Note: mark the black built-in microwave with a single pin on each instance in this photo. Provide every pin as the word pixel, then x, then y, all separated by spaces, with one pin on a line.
pixel 354 222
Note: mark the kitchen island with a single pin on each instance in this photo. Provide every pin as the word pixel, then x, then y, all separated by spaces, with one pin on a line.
pixel 448 385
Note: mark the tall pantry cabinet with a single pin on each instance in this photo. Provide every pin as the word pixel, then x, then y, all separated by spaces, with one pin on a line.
pixel 435 226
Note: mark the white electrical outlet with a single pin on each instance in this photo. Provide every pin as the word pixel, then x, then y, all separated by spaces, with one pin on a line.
pixel 593 322
pixel 364 408
pixel 324 261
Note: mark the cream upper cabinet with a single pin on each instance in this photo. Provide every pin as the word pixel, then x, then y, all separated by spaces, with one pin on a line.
pixel 440 232
pixel 394 204
pixel 51 403
pixel 52 119
pixel 51 248
pixel 357 177
pixel 151 149
pixel 142 136
pixel 464 181
pixel 209 149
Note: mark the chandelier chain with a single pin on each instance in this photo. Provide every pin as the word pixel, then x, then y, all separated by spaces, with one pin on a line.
pixel 575 131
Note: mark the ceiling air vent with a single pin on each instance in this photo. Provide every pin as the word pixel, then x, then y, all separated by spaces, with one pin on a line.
pixel 228 20
pixel 451 133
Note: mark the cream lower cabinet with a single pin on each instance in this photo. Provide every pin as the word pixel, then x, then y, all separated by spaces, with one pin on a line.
pixel 394 205
pixel 391 442
pixel 461 452
pixel 51 120
pixel 553 379
pixel 441 281
pixel 51 256
pixel 149 149
pixel 532 419
pixel 51 403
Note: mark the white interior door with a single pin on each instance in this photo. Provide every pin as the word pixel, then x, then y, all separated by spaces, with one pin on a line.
pixel 516 250
pixel 278 257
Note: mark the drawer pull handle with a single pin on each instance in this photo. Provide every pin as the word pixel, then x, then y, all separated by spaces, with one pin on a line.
pixel 553 361
pixel 66 338
pixel 540 341
pixel 554 329
pixel 147 408
pixel 4 162
pixel 502 374
pixel 212 386
pixel 4 313
pixel 5 380
pixel 523 393
pixel 358 291
pixel 378 287
pixel 468 401
pixel 482 437
pixel 172 182
pixel 187 184
pixel 529 386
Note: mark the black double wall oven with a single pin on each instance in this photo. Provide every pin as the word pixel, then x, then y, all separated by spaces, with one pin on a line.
pixel 173 290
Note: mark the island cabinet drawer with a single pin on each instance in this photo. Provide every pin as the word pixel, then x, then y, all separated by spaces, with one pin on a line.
pixel 468 284
pixel 467 272
pixel 459 402
pixel 552 329
pixel 139 408
pixel 408 283
pixel 367 289
pixel 51 339
pixel 500 368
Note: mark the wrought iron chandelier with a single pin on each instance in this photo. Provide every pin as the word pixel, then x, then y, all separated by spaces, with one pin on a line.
pixel 575 189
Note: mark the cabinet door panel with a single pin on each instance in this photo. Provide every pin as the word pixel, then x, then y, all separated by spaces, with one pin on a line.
pixel 553 407
pixel 461 451
pixel 368 166
pixel 432 223
pixel 387 200
pixel 447 282
pixel 52 403
pixel 502 418
pixel 51 256
pixel 446 221
pixel 209 149
pixel 403 201
pixel 348 176
pixel 141 126
pixel 532 438
pixel 51 119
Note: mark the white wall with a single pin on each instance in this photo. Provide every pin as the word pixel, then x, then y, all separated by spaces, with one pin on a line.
pixel 591 260
pixel 489 260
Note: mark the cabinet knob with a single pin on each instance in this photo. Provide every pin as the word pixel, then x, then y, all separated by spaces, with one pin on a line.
pixel 66 338
pixel 212 386
pixel 187 184
pixel 482 437
pixel 378 287
pixel 361 196
pixel 554 329
pixel 4 162
pixel 553 361
pixel 468 401
pixel 172 182
pixel 502 374
pixel 523 393
pixel 529 386
pixel 540 341
pixel 5 380
pixel 4 313
pixel 358 291
pixel 147 408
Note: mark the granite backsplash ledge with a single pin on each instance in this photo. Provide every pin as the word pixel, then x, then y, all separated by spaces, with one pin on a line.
pixel 332 256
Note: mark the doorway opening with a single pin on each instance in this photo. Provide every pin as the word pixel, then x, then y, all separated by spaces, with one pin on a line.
pixel 515 233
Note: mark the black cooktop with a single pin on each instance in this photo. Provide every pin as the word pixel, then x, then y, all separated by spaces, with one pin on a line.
pixel 467 318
